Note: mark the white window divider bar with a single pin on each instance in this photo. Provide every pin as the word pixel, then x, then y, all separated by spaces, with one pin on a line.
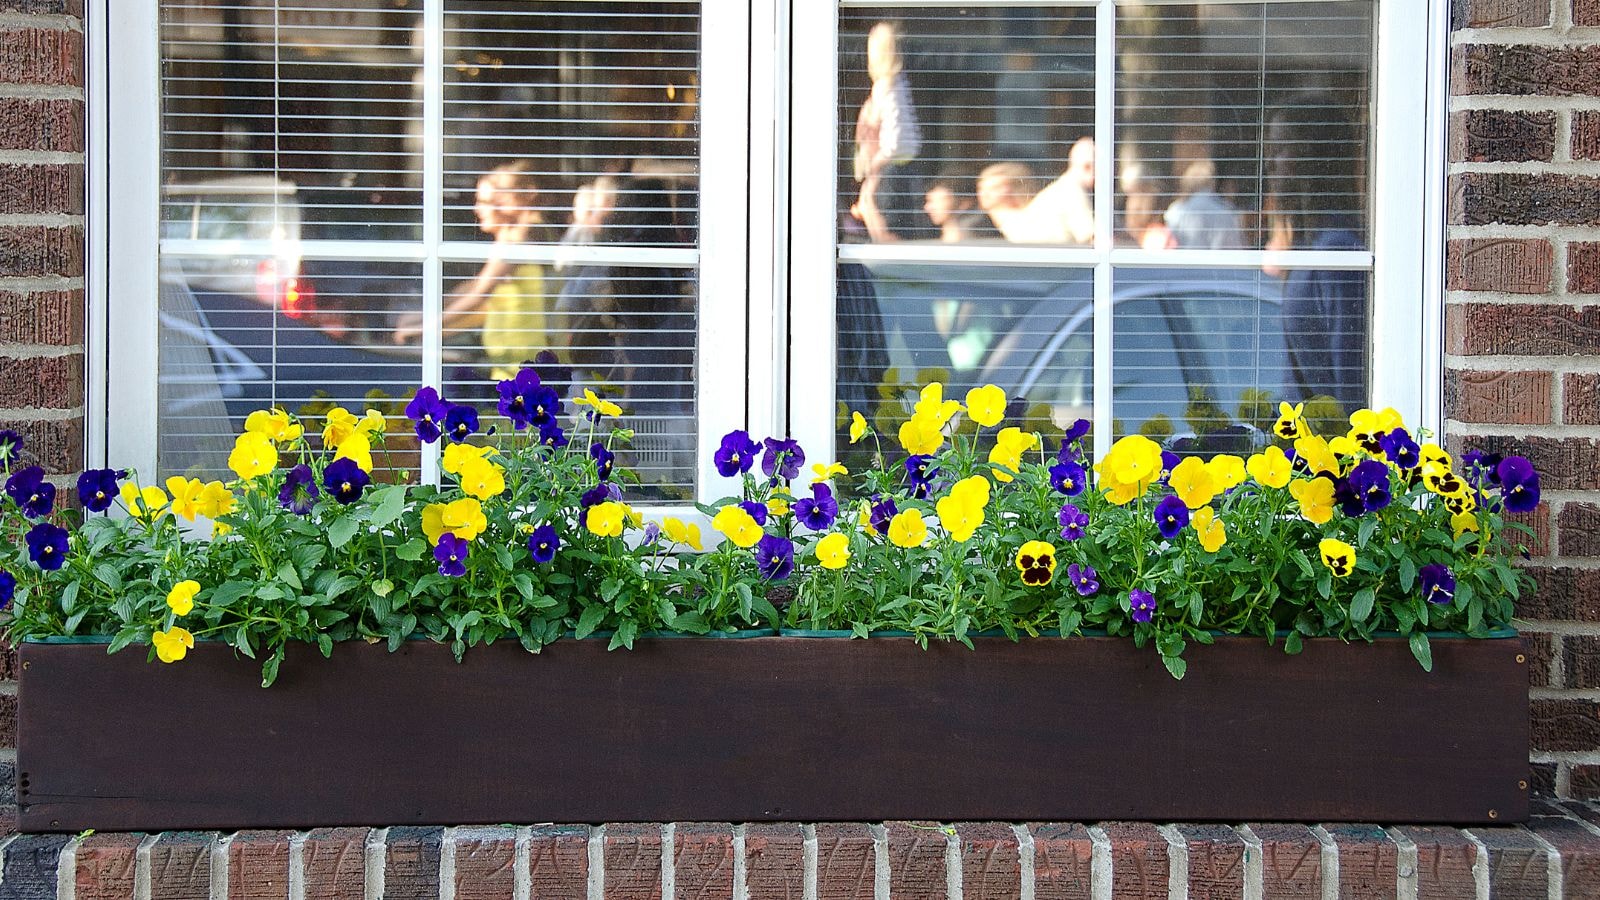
pixel 1105 121
pixel 432 209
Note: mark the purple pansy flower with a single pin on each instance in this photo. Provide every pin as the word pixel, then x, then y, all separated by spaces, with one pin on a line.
pixel 1075 432
pixel 783 458
pixel 516 396
pixel 451 552
pixel 1169 461
pixel 1068 477
pixel 1084 578
pixel 8 588
pixel 1347 496
pixel 920 472
pixel 598 494
pixel 543 543
pixel 1073 521
pixel 757 511
pixel 818 511
pixel 460 422
pixel 427 409
pixel 551 435
pixel 1142 605
pixel 603 460
pixel 652 531
pixel 736 455
pixel 1370 481
pixel 28 489
pixel 1171 517
pixel 97 488
pixel 1401 450
pixel 882 511
pixel 344 481
pixel 299 490
pixel 1519 484
pixel 1438 584
pixel 775 557
pixel 47 546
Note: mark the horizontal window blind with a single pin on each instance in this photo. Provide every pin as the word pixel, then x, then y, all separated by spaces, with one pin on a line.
pixel 333 236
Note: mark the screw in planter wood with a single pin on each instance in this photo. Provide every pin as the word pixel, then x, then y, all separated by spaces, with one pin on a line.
pixel 1522 785
pixel 1521 658
pixel 1494 813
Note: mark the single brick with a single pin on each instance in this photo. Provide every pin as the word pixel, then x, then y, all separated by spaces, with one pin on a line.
pixel 486 863
pixel 180 866
pixel 334 861
pixel 41 56
pixel 29 872
pixel 8 783
pixel 1499 14
pixel 1367 861
pixel 1445 858
pixel 1502 135
pixel 1140 863
pixel 1291 862
pixel 1498 398
pixel 1542 779
pixel 258 865
pixel 1561 594
pixel 8 660
pixel 1216 861
pixel 1586 134
pixel 41 188
pixel 1565 724
pixel 775 861
pixel 1524 198
pixel 916 861
pixel 1523 329
pixel 411 863
pixel 105 866
pixel 1541 652
pixel 1563 464
pixel 702 857
pixel 8 720
pixel 1063 856
pixel 54 126
pixel 633 862
pixel 1583 267
pixel 29 250
pixel 1519 867
pixel 1580 656
pixel 1586 12
pixel 846 862
pixel 1580 398
pixel 42 317
pixel 1508 265
pixel 558 856
pixel 1525 69
pixel 1579 848
pixel 991 861
pixel 56 444
pixel 1585 785
pixel 1580 529
pixel 43 382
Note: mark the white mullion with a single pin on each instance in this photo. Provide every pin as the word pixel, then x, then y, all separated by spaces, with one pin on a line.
pixel 432 208
pixel 724 294
pixel 767 408
pixel 1431 350
pixel 97 283
pixel 1105 119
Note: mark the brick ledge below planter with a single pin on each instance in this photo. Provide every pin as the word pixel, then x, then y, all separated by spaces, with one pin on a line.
pixel 1556 855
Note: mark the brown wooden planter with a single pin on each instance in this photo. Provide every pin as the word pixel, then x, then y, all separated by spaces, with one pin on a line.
pixel 773 728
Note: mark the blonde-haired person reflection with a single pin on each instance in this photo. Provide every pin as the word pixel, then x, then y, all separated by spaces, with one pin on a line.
pixel 506 299
pixel 1062 212
pixel 888 140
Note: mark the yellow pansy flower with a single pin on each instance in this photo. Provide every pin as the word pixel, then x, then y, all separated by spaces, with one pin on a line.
pixel 858 427
pixel 142 504
pixel 373 423
pixel 986 405
pixel 600 405
pixel 172 645
pixel 273 424
pixel 1210 529
pixel 215 500
pixel 1008 448
pixel 253 455
pixel 739 526
pixel 1291 422
pixel 1226 471
pixel 482 479
pixel 1316 454
pixel 934 407
pixel 959 516
pixel 821 473
pixel 1134 460
pixel 356 447
pixel 1192 482
pixel 341 424
pixel 1316 499
pixel 1460 502
pixel 1365 426
pixel 1343 445
pixel 972 490
pixel 907 529
pixel 181 598
pixel 220 529
pixel 1036 560
pixel 185 496
pixel 606 519
pixel 1443 482
pixel 680 532
pixel 1463 522
pixel 1339 557
pixel 463 518
pixel 833 551
pixel 921 435
pixel 458 455
pixel 1434 458
pixel 1270 468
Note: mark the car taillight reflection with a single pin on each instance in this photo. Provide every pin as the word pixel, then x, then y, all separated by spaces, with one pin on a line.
pixel 284 290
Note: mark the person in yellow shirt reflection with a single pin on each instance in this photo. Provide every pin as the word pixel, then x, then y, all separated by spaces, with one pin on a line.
pixel 506 299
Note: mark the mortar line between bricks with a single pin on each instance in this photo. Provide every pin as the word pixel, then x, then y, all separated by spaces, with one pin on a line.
pixel 741 866
pixel 1480 865
pixel 1177 862
pixel 1526 167
pixel 1581 432
pixel 1572 39
pixel 1330 862
pixel 1522 103
pixel 669 865
pixel 376 859
pixel 597 862
pixel 1554 874
pixel 41 92
pixel 1550 230
pixel 67 870
pixel 1563 147
pixel 1405 865
pixel 40 219
pixel 220 845
pixel 41 21
pixel 42 415
pixel 1254 864
pixel 952 863
pixel 1563 779
pixel 38 351
pixel 1025 862
pixel 522 877
pixel 447 865
pixel 297 866
pixel 1579 757
pixel 141 867
pixel 880 862
pixel 1099 864
pixel 808 860
pixel 1561 627
pixel 44 158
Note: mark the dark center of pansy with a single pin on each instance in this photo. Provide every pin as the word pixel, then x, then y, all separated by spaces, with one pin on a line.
pixel 345 487
pixel 1027 561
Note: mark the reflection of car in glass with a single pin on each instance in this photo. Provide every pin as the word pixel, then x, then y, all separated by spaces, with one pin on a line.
pixel 1180 336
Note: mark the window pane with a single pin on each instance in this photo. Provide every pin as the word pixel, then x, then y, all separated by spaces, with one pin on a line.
pixel 966 123
pixel 559 99
pixel 1029 330
pixel 236 336
pixel 1201 357
pixel 1244 125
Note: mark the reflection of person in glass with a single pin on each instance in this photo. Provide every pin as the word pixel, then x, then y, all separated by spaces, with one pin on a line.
pixel 506 299
pixel 887 142
pixel 953 214
pixel 1313 203
pixel 1062 212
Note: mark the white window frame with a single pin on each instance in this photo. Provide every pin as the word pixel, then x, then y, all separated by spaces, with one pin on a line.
pixel 125 92
pixel 1406 256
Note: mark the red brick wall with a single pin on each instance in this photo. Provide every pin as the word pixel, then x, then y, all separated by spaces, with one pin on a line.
pixel 41 260
pixel 1523 326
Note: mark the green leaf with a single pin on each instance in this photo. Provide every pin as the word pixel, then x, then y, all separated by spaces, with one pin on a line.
pixel 289 576
pixel 269 669
pixel 325 644
pixel 341 584
pixel 411 550
pixel 1364 531
pixel 1421 650
pixel 69 600
pixel 391 502
pixel 229 593
pixel 341 531
pixel 1361 605
pixel 1408 573
pixel 1176 665
pixel 124 637
pixel 382 587
pixel 1294 643
pixel 109 576
pixel 590 620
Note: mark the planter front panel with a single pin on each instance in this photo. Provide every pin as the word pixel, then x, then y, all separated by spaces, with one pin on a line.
pixel 772 729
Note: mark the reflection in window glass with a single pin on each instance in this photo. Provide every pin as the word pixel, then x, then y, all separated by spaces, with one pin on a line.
pixel 1201 357
pixel 966 124
pixel 1243 125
